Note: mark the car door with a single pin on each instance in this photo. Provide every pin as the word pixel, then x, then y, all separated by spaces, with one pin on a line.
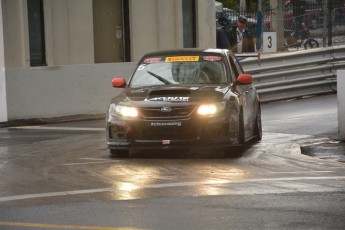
pixel 247 97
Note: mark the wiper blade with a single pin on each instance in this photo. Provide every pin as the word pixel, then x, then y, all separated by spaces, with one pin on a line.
pixel 165 81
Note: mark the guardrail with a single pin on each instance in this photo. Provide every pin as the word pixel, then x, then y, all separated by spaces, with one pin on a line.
pixel 298 74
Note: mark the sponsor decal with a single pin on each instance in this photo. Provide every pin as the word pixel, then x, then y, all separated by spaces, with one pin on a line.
pixel 166 123
pixel 168 99
pixel 166 142
pixel 166 109
pixel 141 67
pixel 152 60
pixel 182 58
pixel 212 58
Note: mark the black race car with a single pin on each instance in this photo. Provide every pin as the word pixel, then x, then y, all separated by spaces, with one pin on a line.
pixel 184 99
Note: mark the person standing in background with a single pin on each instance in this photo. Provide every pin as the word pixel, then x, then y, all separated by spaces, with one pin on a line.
pixel 241 39
pixel 223 33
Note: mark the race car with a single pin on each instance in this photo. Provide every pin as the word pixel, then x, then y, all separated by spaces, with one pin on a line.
pixel 186 98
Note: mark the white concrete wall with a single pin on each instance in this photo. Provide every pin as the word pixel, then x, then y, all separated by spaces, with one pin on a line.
pixel 3 102
pixel 341 103
pixel 44 92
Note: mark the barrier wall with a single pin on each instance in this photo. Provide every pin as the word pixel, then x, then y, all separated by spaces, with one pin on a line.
pixel 46 92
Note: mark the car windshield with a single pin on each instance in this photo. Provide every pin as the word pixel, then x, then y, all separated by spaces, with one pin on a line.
pixel 174 70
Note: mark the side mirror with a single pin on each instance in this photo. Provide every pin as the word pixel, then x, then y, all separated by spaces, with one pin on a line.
pixel 245 79
pixel 118 82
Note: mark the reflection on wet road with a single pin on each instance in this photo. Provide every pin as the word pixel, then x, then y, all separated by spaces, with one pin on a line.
pixel 79 164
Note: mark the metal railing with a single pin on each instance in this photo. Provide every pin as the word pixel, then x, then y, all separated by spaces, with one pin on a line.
pixel 296 75
pixel 325 22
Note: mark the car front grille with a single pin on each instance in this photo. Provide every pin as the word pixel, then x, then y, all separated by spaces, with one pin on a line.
pixel 169 133
pixel 177 112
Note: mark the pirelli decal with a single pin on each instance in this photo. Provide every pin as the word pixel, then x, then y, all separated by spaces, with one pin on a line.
pixel 182 59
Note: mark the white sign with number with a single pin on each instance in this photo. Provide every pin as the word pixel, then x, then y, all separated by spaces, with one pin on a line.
pixel 269 42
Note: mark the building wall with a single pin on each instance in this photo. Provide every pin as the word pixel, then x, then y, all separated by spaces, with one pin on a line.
pixel 69 32
pixel 206 24
pixel 155 25
pixel 72 84
pixel 2 54
pixel 14 39
pixel 158 24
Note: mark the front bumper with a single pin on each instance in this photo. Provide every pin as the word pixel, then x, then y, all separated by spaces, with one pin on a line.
pixel 170 134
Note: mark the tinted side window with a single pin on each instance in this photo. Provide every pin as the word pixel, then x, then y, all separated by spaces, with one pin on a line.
pixel 235 65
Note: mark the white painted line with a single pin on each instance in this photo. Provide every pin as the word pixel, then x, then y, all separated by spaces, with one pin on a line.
pixel 303 172
pixel 95 161
pixel 187 184
pixel 91 162
pixel 51 194
pixel 59 128
pixel 61 226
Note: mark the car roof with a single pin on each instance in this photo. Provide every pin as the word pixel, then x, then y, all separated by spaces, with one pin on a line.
pixel 186 51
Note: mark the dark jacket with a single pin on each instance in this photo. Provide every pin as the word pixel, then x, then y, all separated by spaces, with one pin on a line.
pixel 223 38
pixel 247 42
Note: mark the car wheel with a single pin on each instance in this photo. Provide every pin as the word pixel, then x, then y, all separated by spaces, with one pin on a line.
pixel 119 153
pixel 311 43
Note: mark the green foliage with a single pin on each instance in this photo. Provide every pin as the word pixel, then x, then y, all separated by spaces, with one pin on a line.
pixel 252 5
pixel 231 4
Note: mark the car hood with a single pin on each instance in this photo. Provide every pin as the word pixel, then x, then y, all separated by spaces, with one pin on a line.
pixel 156 96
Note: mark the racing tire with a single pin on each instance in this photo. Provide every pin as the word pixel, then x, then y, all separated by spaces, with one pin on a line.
pixel 311 43
pixel 119 153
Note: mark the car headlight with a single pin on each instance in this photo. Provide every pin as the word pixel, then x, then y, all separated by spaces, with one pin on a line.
pixel 123 111
pixel 210 109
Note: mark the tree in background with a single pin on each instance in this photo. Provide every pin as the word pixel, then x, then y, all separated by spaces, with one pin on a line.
pixel 231 4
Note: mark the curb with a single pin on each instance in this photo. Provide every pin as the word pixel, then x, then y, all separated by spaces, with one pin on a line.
pixel 53 120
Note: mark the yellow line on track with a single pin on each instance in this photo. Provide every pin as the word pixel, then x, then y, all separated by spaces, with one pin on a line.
pixel 57 226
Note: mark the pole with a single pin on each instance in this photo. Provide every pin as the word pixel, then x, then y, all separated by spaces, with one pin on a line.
pixel 329 19
pixel 259 26
pixel 325 17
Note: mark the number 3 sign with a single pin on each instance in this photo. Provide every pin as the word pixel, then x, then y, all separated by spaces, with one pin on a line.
pixel 269 42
